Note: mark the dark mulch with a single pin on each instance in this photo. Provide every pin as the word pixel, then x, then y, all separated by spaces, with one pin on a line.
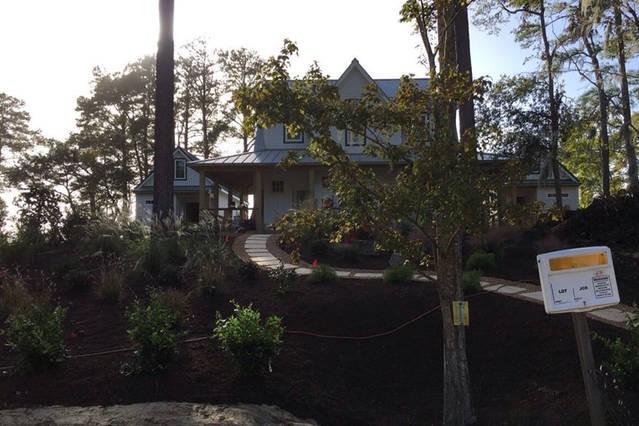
pixel 524 364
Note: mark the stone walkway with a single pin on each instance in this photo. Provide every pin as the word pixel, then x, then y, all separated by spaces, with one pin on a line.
pixel 263 250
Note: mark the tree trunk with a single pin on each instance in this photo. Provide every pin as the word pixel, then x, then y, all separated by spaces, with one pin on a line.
pixel 467 109
pixel 631 155
pixel 553 105
pixel 604 145
pixel 457 402
pixel 164 124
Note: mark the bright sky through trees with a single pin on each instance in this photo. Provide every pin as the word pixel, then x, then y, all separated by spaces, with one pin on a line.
pixel 49 48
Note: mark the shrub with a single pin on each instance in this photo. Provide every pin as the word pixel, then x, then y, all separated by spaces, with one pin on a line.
pixel 248 272
pixel 154 332
pixel 14 296
pixel 623 363
pixel 77 279
pixel 348 254
pixel 398 274
pixel 283 278
pixel 38 336
pixel 471 282
pixel 178 302
pixel 251 344
pixel 480 260
pixel 319 247
pixel 306 224
pixel 322 274
pixel 110 285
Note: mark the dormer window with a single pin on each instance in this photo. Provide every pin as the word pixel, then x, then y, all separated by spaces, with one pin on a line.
pixel 354 139
pixel 180 169
pixel 291 136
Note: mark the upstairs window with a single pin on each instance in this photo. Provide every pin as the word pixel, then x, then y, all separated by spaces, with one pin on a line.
pixel 180 169
pixel 354 139
pixel 277 186
pixel 292 137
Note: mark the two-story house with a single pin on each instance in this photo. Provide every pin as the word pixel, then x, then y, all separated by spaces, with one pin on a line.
pixel 276 190
pixel 186 192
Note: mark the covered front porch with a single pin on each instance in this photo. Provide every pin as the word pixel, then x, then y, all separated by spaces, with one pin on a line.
pixel 264 193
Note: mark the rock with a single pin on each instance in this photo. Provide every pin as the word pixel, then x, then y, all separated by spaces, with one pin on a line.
pixel 154 413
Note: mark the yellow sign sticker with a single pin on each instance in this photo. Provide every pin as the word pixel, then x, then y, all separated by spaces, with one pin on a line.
pixel 460 313
pixel 578 261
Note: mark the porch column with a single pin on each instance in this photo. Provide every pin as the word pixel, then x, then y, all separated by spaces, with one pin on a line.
pixel 311 186
pixel 228 214
pixel 203 199
pixel 216 200
pixel 258 201
pixel 243 212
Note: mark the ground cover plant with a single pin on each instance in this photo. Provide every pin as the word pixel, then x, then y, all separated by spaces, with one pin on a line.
pixel 323 370
pixel 335 381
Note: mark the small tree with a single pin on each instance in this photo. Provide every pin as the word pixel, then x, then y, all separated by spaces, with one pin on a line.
pixel 437 182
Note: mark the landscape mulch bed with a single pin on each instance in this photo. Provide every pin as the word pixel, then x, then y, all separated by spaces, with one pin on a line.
pixel 524 364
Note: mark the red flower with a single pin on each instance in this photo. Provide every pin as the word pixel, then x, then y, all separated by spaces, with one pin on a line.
pixel 315 263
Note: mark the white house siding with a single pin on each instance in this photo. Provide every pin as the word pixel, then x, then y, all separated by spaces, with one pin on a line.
pixel 547 195
pixel 144 207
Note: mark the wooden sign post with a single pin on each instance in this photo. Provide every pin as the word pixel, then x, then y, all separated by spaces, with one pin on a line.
pixel 578 281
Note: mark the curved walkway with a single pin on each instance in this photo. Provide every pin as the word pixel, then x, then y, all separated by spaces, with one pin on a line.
pixel 263 250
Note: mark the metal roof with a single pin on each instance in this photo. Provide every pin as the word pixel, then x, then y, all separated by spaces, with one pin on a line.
pixel 272 157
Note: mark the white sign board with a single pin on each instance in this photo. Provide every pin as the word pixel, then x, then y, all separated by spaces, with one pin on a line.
pixel 577 280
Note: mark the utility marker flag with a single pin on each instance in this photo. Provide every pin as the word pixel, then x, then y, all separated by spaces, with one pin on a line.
pixel 460 313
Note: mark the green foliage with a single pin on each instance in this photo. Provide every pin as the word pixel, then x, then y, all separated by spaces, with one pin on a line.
pixel 319 247
pixel 251 342
pixel 306 224
pixel 15 297
pixel 348 253
pixel 398 274
pixel 471 281
pixel 154 331
pixel 38 336
pixel 322 274
pixel 110 284
pixel 283 278
pixel 208 257
pixel 248 272
pixel 178 302
pixel 481 261
pixel 78 279
pixel 623 363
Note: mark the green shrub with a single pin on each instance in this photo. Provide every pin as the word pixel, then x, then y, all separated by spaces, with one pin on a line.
pixel 38 336
pixel 248 272
pixel 251 343
pixel 178 302
pixel 480 260
pixel 348 254
pixel 283 278
pixel 623 363
pixel 398 274
pixel 14 296
pixel 306 224
pixel 319 247
pixel 77 279
pixel 110 285
pixel 154 332
pixel 322 274
pixel 471 282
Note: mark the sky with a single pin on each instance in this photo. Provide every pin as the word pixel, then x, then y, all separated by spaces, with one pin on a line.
pixel 50 47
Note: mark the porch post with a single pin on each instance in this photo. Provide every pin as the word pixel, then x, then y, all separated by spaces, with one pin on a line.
pixel 228 214
pixel 311 186
pixel 216 200
pixel 241 206
pixel 258 201
pixel 202 195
